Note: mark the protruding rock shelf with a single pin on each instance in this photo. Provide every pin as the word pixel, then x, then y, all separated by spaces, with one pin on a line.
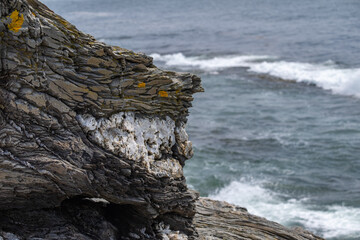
pixel 220 220
pixel 93 141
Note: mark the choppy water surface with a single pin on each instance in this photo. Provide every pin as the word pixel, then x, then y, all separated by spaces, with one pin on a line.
pixel 278 129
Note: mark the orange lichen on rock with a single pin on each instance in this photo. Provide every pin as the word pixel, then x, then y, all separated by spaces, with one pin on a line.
pixel 163 94
pixel 142 85
pixel 17 21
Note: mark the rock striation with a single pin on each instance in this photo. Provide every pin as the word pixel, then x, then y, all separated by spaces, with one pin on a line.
pixel 92 138
pixel 80 119
pixel 220 220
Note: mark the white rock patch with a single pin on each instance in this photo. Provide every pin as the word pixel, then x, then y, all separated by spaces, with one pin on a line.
pixel 168 234
pixel 185 146
pixel 139 139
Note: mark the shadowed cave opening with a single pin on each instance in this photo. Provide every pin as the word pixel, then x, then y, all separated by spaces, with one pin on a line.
pixel 79 217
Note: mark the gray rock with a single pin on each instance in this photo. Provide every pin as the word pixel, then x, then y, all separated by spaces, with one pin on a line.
pixel 81 120
pixel 220 220
pixel 51 75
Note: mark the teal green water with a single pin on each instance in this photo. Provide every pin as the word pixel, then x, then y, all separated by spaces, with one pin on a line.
pixel 286 151
pixel 278 128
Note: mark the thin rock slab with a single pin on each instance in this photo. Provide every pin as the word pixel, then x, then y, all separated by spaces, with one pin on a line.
pixel 221 220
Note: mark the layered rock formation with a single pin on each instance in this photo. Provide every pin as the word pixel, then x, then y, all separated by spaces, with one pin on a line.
pixel 92 137
pixel 220 220
pixel 80 119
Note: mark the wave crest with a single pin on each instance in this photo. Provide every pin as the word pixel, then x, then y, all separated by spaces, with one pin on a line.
pixel 333 221
pixel 327 75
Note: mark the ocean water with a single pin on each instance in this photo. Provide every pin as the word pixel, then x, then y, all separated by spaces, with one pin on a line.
pixel 278 129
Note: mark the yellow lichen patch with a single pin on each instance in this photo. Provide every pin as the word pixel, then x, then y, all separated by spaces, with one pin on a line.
pixel 142 85
pixel 163 94
pixel 33 14
pixel 17 21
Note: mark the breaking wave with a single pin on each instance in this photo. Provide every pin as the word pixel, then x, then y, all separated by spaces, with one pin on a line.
pixel 334 221
pixel 327 75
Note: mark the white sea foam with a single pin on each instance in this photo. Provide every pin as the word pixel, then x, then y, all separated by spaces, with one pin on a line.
pixel 211 64
pixel 330 221
pixel 325 75
pixel 341 81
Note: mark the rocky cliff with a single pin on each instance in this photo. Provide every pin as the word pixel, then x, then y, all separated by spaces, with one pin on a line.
pixel 93 141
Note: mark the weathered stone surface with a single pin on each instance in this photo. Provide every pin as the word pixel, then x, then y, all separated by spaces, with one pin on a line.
pixel 93 140
pixel 98 219
pixel 220 220
pixel 79 118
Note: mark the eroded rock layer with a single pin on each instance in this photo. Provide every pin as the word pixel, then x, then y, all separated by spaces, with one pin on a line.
pixel 81 119
pixel 217 220
pixel 93 141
